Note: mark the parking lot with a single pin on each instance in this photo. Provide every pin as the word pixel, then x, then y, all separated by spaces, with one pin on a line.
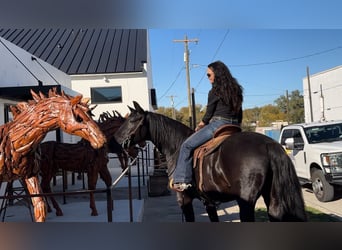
pixel 333 208
pixel 165 208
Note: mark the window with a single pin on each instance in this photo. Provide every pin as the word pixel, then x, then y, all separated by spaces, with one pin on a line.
pixel 106 95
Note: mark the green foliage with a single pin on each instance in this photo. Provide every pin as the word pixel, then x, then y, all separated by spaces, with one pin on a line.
pixel 313 215
pixel 292 106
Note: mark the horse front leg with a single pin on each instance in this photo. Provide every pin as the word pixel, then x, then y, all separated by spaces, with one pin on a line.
pixel 38 203
pixel 212 212
pixel 185 203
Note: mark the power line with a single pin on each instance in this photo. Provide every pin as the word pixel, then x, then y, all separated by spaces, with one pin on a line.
pixel 219 47
pixel 216 52
pixel 172 83
pixel 287 60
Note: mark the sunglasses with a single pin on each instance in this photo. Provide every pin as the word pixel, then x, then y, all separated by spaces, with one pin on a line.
pixel 208 75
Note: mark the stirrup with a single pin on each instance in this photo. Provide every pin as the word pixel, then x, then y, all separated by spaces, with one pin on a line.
pixel 179 187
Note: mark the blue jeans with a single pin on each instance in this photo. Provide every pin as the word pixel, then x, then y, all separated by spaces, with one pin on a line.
pixel 183 170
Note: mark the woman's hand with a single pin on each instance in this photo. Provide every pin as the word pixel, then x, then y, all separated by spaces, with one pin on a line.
pixel 200 125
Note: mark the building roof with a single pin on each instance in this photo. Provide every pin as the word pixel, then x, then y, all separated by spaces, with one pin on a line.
pixel 84 51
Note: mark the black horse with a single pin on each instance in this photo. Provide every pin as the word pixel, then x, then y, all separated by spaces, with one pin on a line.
pixel 246 166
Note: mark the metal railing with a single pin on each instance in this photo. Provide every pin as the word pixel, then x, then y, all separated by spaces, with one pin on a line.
pixel 108 190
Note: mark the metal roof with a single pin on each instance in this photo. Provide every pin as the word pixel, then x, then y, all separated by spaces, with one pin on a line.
pixel 84 51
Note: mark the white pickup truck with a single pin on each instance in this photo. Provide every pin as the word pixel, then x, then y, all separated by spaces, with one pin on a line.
pixel 316 151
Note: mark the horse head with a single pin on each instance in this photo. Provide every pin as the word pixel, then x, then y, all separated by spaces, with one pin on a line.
pixel 133 130
pixel 72 115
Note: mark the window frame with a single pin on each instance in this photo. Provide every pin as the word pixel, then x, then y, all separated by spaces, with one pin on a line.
pixel 94 100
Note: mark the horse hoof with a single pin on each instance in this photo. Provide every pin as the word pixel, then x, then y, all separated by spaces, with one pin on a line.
pixel 94 214
pixel 59 213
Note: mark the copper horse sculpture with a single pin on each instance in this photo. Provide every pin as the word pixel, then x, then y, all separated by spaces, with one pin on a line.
pixel 32 120
pixel 80 157
pixel 244 167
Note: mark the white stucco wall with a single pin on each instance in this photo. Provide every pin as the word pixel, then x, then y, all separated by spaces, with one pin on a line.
pixel 134 87
pixel 331 83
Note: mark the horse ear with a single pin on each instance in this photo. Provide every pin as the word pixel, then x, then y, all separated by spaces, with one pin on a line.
pixel 131 109
pixel 138 108
pixel 76 100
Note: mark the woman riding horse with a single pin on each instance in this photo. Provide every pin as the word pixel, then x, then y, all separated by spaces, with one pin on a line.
pixel 224 106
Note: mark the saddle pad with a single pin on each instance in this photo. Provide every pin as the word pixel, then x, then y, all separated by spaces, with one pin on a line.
pixel 207 148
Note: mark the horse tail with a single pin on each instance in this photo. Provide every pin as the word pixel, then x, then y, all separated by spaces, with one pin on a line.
pixel 286 197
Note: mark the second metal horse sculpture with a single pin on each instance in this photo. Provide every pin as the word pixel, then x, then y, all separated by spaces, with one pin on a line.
pixel 19 139
pixel 80 157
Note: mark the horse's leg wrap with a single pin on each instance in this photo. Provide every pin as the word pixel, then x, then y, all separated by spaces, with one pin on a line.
pixel 38 203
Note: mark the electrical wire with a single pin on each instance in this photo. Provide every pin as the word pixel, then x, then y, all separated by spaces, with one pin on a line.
pixel 287 60
pixel 215 54
pixel 173 83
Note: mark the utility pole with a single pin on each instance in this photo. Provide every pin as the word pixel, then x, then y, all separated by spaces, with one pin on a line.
pixel 186 60
pixel 321 99
pixel 173 106
pixel 287 107
pixel 309 90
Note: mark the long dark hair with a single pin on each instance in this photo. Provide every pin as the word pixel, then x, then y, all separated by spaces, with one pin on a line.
pixel 226 86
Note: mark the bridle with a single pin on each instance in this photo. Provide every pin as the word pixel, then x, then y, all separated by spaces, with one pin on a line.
pixel 126 142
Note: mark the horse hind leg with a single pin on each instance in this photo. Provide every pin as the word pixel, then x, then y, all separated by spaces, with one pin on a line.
pixel 92 179
pixel 38 202
pixel 247 210
pixel 45 185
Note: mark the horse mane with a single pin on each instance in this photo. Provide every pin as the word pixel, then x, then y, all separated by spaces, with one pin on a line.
pixel 37 98
pixel 106 116
pixel 110 122
pixel 167 131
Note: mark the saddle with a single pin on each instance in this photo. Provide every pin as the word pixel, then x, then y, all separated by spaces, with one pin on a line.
pixel 207 148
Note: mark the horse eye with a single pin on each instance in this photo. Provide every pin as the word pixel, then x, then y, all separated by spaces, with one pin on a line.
pixel 79 119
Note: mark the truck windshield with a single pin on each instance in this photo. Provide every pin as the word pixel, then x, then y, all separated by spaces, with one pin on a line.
pixel 325 133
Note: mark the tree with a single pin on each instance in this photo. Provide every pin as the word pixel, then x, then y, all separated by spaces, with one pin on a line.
pixel 293 106
pixel 250 118
pixel 269 114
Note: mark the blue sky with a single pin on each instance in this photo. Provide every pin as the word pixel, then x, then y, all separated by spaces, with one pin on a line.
pixel 266 62
pixel 267 44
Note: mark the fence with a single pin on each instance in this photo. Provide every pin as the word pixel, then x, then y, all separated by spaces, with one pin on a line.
pixel 142 162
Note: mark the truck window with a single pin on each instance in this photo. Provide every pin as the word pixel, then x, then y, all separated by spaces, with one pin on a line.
pixel 298 139
pixel 287 133
pixel 327 133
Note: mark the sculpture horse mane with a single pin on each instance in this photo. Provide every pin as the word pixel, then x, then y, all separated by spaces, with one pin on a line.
pixel 82 158
pixel 32 120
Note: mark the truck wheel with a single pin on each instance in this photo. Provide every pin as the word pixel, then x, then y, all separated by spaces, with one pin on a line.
pixel 322 189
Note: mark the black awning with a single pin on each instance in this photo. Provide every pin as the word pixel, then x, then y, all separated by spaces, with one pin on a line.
pixel 23 93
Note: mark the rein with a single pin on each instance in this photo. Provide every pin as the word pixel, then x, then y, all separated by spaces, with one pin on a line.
pixel 127 141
